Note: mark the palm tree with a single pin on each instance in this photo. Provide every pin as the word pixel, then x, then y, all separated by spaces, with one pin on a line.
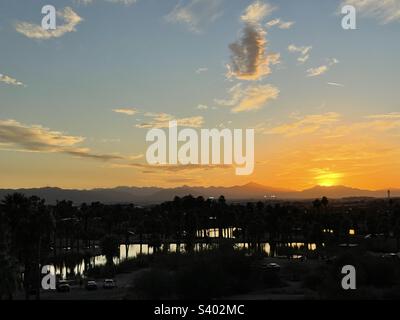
pixel 110 247
pixel 317 204
pixel 8 267
pixel 31 225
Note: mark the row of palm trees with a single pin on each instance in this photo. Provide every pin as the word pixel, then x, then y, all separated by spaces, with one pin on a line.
pixel 32 233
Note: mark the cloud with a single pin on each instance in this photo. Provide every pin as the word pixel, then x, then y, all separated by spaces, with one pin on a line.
pixel 256 12
pixel 87 2
pixel 181 180
pixel 35 138
pixel 195 14
pixel 161 120
pixel 136 157
pixel 34 31
pixel 385 11
pixel 390 116
pixel 9 80
pixel 127 111
pixel 125 2
pixel 335 84
pixel 202 107
pixel 249 60
pixel 171 167
pixel 373 123
pixel 201 70
pixel 252 97
pixel 304 52
pixel 280 24
pixel 307 124
pixel 314 72
pixel 83 2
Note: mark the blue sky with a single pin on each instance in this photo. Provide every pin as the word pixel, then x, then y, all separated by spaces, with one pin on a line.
pixel 134 56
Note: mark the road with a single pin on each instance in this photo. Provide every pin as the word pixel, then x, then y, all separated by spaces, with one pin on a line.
pixel 123 281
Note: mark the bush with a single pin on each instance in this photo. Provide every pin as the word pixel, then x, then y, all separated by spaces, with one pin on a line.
pixel 154 285
pixel 314 279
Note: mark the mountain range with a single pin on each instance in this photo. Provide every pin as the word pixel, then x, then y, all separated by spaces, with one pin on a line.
pixel 148 195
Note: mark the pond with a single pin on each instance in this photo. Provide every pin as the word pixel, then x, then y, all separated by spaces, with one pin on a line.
pixel 66 270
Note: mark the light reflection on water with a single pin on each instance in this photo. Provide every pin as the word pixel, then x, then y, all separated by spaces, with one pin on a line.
pixel 136 249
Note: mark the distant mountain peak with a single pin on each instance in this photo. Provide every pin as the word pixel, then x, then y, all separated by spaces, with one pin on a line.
pixel 146 195
pixel 252 184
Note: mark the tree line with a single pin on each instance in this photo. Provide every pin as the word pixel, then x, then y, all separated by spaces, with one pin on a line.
pixel 31 231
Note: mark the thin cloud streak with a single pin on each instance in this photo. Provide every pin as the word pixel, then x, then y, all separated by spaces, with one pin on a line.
pixel 35 138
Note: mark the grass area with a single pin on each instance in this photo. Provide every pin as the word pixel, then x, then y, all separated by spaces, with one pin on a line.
pixel 207 274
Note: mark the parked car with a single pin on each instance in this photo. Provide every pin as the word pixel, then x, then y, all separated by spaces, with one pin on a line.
pixel 265 265
pixel 109 284
pixel 390 255
pixel 63 286
pixel 273 266
pixel 91 285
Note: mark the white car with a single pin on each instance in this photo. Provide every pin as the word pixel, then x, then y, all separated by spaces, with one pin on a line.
pixel 109 284
pixel 91 285
pixel 273 266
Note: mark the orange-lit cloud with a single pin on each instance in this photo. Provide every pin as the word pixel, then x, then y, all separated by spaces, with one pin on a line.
pixel 317 71
pixel 161 120
pixel 249 98
pixel 127 111
pixel 307 124
pixel 257 11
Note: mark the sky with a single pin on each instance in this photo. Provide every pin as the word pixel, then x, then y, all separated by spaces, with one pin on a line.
pixel 76 102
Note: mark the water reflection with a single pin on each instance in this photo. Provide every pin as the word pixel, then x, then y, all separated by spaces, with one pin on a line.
pixel 67 269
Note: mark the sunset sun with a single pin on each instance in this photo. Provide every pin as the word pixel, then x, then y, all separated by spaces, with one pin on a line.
pixel 327 178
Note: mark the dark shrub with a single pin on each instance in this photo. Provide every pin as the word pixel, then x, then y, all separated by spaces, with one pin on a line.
pixel 154 284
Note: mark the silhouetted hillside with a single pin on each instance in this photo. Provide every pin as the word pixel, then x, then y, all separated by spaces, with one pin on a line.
pixel 145 195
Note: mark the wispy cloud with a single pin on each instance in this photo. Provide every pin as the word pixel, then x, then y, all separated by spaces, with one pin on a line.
pixel 161 120
pixel 374 124
pixel 314 72
pixel 170 167
pixel 385 11
pixel 392 116
pixel 201 70
pixel 83 2
pixel 335 84
pixel 202 107
pixel 303 50
pixel 35 138
pixel 34 31
pixel 307 124
pixel 9 80
pixel 124 2
pixel 195 14
pixel 252 97
pixel 127 111
pixel 280 24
